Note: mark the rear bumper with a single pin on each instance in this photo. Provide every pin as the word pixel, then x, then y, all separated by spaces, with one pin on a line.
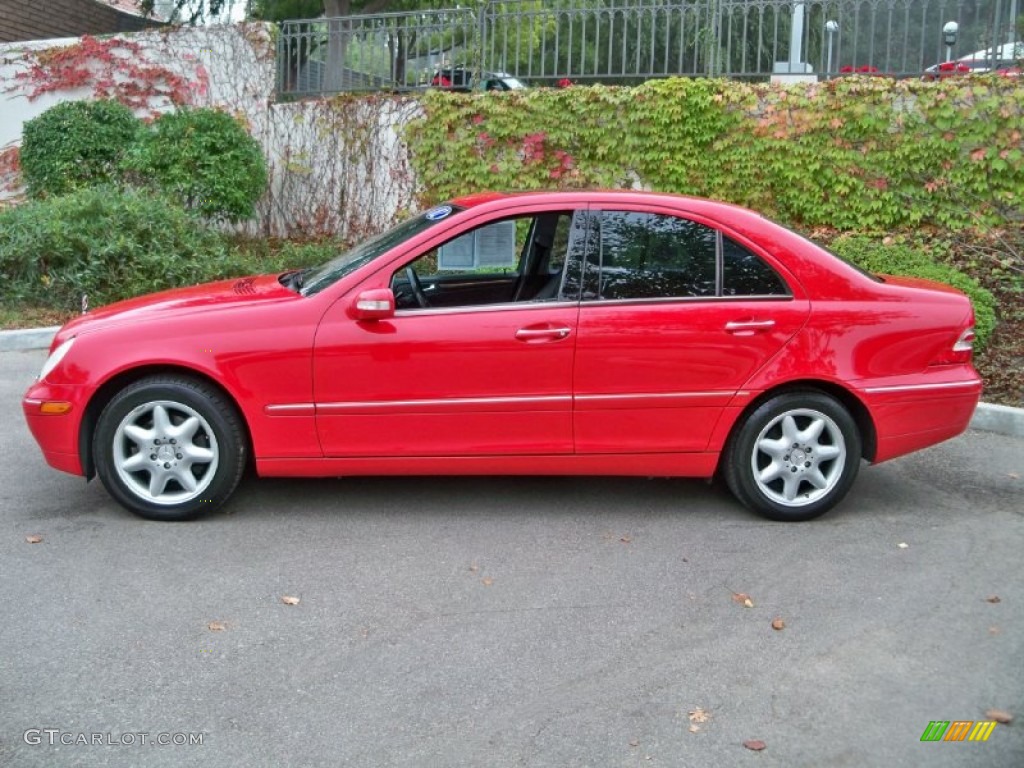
pixel 909 417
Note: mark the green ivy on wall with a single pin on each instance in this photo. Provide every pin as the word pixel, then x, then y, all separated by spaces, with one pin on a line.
pixel 861 153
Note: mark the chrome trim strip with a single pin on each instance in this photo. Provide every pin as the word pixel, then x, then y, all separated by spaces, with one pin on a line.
pixel 656 396
pixel 345 406
pixel 487 308
pixel 290 409
pixel 682 299
pixel 294 409
pixel 916 387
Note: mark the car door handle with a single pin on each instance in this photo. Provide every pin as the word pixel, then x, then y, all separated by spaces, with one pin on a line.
pixel 537 334
pixel 748 327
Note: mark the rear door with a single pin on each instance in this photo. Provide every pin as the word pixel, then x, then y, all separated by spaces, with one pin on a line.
pixel 675 316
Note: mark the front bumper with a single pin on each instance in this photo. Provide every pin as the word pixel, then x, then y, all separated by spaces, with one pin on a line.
pixel 56 433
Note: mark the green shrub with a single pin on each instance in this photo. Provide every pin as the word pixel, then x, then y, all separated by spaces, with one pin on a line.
pixel 108 243
pixel 903 259
pixel 203 158
pixel 75 144
pixel 266 256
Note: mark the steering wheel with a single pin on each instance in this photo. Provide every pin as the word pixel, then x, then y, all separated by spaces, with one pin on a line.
pixel 416 286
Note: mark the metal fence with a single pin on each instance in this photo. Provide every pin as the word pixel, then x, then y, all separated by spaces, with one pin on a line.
pixel 627 42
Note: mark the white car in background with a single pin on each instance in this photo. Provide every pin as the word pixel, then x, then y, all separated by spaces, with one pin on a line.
pixel 1008 57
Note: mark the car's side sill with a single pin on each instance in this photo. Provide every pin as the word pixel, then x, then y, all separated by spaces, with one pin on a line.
pixel 652 464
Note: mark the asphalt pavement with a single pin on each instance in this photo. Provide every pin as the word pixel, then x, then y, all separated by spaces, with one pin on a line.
pixel 499 622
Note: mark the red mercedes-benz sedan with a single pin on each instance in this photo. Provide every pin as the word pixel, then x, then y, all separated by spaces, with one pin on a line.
pixel 589 333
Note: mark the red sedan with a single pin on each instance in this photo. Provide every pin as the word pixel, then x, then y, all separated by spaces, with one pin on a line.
pixel 585 333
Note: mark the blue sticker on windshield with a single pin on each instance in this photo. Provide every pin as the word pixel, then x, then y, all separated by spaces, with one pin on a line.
pixel 438 213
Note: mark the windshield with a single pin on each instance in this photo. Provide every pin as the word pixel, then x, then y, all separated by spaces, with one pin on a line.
pixel 316 279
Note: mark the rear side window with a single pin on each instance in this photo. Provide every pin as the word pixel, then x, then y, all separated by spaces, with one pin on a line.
pixel 647 256
pixel 654 256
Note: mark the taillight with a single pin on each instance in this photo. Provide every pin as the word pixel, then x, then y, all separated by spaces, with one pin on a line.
pixel 966 341
pixel 960 352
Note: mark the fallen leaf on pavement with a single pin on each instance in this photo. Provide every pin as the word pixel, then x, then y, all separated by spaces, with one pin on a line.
pixel 626 539
pixel 778 624
pixel 488 581
pixel 999 715
pixel 694 728
pixel 993 599
pixel 994 630
pixel 35 538
pixel 743 599
pixel 217 626
pixel 699 715
pixel 473 567
pixel 1013 475
pixel 755 744
pixel 634 743
pixel 289 600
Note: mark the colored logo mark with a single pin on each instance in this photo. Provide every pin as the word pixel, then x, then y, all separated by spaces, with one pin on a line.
pixel 958 730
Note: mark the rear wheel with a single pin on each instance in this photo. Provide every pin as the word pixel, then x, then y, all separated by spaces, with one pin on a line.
pixel 169 448
pixel 794 457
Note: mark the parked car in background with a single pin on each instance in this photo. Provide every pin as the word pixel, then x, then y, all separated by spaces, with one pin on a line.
pixel 576 333
pixel 1007 62
pixel 464 79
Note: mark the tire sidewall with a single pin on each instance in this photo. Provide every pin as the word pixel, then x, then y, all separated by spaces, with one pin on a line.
pixel 739 472
pixel 222 421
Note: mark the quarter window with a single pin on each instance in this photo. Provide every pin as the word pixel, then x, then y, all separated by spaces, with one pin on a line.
pixel 746 274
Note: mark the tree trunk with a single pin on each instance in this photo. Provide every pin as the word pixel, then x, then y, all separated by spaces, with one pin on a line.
pixel 339 30
pixel 337 39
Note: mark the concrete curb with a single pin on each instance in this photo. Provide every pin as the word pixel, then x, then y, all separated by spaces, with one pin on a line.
pixel 1001 419
pixel 29 338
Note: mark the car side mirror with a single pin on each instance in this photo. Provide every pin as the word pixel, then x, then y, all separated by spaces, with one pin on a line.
pixel 378 304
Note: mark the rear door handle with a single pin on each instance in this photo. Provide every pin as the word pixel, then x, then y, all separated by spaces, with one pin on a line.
pixel 539 334
pixel 748 327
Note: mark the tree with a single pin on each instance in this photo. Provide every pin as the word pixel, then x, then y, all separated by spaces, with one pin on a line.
pixel 191 12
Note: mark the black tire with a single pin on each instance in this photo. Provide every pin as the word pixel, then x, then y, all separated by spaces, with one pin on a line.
pixel 775 466
pixel 159 432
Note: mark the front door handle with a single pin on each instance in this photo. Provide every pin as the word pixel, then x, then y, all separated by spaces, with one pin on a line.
pixel 541 334
pixel 748 327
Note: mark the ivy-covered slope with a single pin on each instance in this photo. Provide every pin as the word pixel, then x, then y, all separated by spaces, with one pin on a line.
pixel 859 153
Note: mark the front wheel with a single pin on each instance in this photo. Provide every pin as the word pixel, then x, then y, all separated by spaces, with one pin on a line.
pixel 169 448
pixel 794 457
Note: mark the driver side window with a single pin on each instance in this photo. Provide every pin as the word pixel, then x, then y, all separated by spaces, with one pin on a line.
pixel 518 259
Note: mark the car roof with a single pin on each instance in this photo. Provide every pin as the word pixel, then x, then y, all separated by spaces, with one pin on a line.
pixel 612 197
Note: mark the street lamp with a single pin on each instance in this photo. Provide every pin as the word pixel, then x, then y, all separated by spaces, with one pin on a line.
pixel 949 30
pixel 831 27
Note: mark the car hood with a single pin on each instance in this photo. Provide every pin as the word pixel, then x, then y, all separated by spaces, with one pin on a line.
pixel 197 298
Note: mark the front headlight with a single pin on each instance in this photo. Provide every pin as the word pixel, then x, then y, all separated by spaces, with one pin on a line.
pixel 55 357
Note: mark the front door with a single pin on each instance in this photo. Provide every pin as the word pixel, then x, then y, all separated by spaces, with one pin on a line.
pixel 477 360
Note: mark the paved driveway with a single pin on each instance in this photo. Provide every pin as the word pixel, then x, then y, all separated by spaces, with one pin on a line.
pixel 511 622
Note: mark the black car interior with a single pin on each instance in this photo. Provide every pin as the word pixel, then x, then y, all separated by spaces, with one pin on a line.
pixel 537 275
